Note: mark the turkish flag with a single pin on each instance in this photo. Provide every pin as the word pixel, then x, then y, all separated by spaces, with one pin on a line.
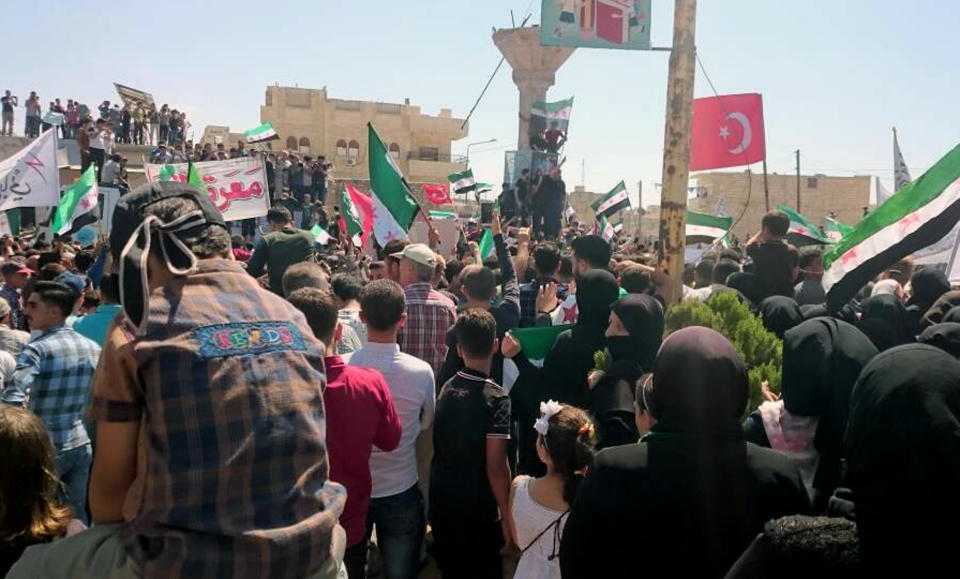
pixel 438 194
pixel 727 132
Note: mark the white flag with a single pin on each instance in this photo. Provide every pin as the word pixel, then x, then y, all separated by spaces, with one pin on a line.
pixel 31 177
pixel 901 175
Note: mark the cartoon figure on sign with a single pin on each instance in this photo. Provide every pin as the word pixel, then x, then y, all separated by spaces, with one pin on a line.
pixel 568 19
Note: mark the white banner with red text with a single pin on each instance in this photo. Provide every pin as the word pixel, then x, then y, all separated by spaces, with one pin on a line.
pixel 237 187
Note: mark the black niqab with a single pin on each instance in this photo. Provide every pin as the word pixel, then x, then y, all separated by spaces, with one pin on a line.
pixel 945 336
pixel 887 308
pixel 822 359
pixel 642 316
pixel 902 447
pixel 779 314
pixel 700 385
pixel 928 285
pixel 944 304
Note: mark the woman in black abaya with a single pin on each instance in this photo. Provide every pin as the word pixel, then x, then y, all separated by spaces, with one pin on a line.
pixel 632 338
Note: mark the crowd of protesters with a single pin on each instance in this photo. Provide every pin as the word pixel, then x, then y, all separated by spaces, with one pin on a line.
pixel 180 403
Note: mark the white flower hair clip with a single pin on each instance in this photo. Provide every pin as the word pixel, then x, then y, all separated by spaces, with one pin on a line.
pixel 547 410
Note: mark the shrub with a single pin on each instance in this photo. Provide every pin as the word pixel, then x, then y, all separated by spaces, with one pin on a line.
pixel 760 350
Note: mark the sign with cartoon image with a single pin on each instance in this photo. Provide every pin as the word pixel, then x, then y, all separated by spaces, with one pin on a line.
pixel 623 24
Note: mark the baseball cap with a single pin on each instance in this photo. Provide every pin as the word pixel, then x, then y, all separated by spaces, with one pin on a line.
pixel 73 281
pixel 419 253
pixel 12 267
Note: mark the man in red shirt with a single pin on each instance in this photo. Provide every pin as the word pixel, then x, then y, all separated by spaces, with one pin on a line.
pixel 360 415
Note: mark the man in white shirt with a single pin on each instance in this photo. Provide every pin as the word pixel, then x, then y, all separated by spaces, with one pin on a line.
pixel 397 505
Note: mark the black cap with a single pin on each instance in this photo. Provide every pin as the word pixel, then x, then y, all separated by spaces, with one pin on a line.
pixel 129 210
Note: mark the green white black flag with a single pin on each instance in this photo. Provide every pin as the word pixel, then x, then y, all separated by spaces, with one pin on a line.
pixel 915 217
pixel 612 202
pixel 462 182
pixel 263 133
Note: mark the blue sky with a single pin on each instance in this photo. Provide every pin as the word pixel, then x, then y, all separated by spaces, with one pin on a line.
pixel 835 74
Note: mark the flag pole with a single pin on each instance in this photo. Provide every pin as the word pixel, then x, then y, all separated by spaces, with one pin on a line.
pixel 766 191
pixel 798 180
pixel 676 148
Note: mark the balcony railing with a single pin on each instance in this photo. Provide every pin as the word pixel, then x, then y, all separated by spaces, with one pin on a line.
pixel 439 158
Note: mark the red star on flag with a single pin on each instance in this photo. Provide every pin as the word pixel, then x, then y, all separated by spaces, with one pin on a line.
pixel 570 314
pixel 850 255
pixel 907 221
pixel 802 230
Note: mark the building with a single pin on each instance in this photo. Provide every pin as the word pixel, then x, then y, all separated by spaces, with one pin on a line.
pixel 311 123
pixel 217 134
pixel 820 196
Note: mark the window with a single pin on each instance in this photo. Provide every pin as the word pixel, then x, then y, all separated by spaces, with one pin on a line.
pixel 341 148
pixel 429 154
pixel 353 151
pixel 292 143
pixel 304 145
pixel 395 151
pixel 811 182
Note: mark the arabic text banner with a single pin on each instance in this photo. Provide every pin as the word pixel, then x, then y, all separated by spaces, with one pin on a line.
pixel 31 178
pixel 237 187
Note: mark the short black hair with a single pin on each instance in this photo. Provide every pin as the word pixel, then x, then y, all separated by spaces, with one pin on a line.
pixel 730 253
pixel 809 255
pixel 546 258
pixel 91 299
pixel 279 215
pixel 382 303
pixel 635 280
pixel 592 249
pixel 56 294
pixel 319 309
pixel 704 269
pixel 49 257
pixel 479 282
pixel 84 260
pixel 723 269
pixel 566 265
pixel 776 222
pixel 110 288
pixel 346 286
pixel 394 246
pixel 476 330
pixel 452 269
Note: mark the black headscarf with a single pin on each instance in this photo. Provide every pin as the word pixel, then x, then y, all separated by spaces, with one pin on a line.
pixel 596 290
pixel 928 285
pixel 821 361
pixel 945 336
pixel 903 455
pixel 747 284
pixel 944 304
pixel 699 385
pixel 952 316
pixel 642 316
pixel 779 314
pixel 888 309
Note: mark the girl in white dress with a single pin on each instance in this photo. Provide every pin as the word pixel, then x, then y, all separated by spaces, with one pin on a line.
pixel 539 506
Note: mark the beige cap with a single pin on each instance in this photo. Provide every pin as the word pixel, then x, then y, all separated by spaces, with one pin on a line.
pixel 419 253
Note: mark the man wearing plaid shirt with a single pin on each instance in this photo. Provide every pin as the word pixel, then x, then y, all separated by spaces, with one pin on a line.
pixel 211 457
pixel 429 313
pixel 53 379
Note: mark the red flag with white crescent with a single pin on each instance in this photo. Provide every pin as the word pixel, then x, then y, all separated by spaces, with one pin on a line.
pixel 727 132
pixel 438 194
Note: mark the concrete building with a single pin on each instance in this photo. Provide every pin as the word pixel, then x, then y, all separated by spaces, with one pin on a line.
pixel 819 196
pixel 216 134
pixel 310 122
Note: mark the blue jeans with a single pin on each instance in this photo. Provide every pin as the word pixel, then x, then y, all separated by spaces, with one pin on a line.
pixel 401 524
pixel 73 468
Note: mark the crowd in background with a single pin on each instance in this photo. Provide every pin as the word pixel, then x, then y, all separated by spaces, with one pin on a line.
pixel 259 407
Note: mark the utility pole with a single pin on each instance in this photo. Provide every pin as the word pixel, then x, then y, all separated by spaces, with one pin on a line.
pixel 798 180
pixel 676 145
pixel 639 208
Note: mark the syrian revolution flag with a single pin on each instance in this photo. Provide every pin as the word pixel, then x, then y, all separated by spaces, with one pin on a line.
pixel 727 132
pixel 915 217
pixel 394 206
pixel 569 214
pixel 605 229
pixel 320 235
pixel 548 113
pixel 261 134
pixel 462 182
pixel 703 228
pixel 76 208
pixel 836 230
pixel 802 227
pixel 356 218
pixel 437 194
pixel 612 202
pixel 31 178
pixel 487 247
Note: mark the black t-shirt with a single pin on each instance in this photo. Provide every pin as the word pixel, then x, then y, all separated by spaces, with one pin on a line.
pixel 523 191
pixel 7 104
pixel 470 409
pixel 774 261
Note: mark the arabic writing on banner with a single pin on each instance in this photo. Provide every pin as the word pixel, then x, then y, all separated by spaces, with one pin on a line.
pixel 237 187
pixel 30 178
